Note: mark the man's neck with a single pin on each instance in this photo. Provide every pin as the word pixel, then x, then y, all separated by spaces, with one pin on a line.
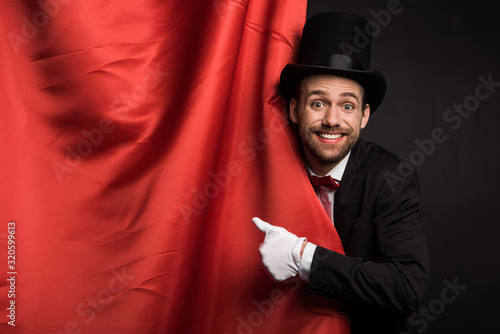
pixel 324 169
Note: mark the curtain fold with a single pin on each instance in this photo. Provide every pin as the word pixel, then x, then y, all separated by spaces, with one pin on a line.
pixel 138 141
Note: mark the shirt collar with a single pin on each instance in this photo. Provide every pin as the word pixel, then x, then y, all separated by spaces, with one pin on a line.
pixel 338 171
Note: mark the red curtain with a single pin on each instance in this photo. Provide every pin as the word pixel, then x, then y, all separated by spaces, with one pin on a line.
pixel 138 139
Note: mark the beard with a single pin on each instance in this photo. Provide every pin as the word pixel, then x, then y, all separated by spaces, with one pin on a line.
pixel 329 154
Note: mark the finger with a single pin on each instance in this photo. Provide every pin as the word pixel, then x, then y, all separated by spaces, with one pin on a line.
pixel 261 225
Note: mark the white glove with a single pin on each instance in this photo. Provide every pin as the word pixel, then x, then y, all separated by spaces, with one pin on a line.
pixel 280 250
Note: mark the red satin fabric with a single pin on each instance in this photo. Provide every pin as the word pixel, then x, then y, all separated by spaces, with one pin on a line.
pixel 139 138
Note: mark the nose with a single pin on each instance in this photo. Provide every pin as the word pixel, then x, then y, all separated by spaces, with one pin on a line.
pixel 331 117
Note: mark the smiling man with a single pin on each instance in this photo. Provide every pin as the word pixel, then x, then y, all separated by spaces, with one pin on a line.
pixel 374 208
pixel 330 113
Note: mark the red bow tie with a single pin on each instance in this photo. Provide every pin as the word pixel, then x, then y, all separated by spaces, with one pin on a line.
pixel 324 181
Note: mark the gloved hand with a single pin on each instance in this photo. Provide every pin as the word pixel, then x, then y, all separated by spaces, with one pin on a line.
pixel 280 250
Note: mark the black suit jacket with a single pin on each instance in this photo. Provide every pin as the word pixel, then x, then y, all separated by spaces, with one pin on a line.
pixel 384 274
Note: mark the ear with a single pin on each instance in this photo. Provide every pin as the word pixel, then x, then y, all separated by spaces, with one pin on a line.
pixel 293 111
pixel 365 117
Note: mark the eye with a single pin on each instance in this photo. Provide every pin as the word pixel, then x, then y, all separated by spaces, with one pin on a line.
pixel 317 105
pixel 348 106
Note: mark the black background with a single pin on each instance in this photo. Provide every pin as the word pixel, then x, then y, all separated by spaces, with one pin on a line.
pixel 432 54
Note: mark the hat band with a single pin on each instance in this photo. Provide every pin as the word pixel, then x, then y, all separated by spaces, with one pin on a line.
pixel 336 61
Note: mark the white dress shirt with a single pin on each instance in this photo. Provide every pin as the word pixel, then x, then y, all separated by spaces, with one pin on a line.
pixel 337 172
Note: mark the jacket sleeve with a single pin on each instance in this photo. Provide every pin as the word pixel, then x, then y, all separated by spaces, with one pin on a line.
pixel 397 279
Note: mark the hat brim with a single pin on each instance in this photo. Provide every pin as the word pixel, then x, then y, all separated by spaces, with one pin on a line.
pixel 372 81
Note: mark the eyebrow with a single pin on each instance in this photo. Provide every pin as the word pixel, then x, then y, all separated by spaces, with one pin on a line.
pixel 351 94
pixel 316 92
pixel 323 93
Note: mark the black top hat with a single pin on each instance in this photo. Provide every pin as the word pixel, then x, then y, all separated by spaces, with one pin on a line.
pixel 336 44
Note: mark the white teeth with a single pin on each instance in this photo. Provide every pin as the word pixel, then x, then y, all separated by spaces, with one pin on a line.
pixel 330 136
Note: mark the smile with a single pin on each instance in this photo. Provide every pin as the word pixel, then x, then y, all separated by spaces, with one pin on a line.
pixel 330 135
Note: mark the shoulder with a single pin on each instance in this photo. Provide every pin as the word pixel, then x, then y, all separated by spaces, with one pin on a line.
pixel 369 156
pixel 379 163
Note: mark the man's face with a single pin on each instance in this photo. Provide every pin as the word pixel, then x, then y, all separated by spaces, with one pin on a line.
pixel 330 117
